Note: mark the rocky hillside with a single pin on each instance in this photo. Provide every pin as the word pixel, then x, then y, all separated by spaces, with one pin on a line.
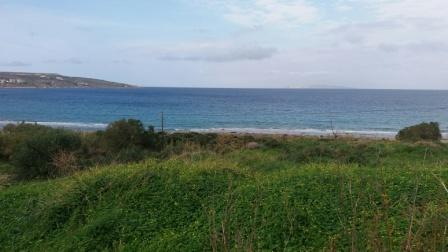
pixel 45 80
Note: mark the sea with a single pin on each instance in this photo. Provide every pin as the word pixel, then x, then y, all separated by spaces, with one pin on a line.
pixel 276 111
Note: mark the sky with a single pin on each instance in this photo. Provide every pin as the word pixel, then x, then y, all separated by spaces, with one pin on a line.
pixel 394 44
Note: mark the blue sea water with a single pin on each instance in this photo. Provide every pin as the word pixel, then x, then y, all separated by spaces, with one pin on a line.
pixel 307 111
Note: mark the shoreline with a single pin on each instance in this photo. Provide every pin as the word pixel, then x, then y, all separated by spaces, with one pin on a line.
pixel 323 133
pixel 300 133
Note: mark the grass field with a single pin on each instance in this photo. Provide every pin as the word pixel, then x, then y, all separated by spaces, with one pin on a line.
pixel 298 194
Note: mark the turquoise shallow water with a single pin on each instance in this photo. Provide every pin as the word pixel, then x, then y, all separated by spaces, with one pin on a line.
pixel 245 110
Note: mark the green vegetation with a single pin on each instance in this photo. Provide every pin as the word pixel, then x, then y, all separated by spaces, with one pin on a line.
pixel 36 156
pixel 194 192
pixel 421 132
pixel 42 152
pixel 125 134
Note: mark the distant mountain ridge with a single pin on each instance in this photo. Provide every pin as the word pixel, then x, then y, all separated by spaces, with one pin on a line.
pixel 322 87
pixel 51 80
pixel 328 87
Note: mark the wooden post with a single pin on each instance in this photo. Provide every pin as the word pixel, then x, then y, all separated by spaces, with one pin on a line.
pixel 162 121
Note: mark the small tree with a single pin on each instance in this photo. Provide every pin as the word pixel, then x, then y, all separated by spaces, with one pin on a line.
pixel 2 146
pixel 125 134
pixel 35 155
pixel 13 134
pixel 421 132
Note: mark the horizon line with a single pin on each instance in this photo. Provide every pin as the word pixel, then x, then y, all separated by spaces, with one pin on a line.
pixel 337 87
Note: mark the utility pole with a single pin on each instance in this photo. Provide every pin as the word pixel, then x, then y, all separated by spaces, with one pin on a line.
pixel 162 121
pixel 332 130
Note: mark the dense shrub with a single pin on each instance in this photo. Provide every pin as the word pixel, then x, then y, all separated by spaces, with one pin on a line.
pixel 325 150
pixel 271 142
pixel 24 128
pixel 229 142
pixel 64 163
pixel 130 154
pixel 36 155
pixel 192 138
pixel 124 134
pixel 13 134
pixel 92 151
pixel 91 143
pixel 41 151
pixel 3 155
pixel 420 132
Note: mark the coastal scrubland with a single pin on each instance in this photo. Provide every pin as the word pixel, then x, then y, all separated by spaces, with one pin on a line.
pixel 131 188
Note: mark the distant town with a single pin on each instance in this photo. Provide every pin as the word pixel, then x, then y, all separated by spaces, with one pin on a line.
pixel 50 80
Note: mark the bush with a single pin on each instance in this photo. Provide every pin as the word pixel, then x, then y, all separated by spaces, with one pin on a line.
pixel 421 132
pixel 125 134
pixel 271 142
pixel 37 155
pixel 3 155
pixel 64 163
pixel 129 155
pixel 13 134
pixel 326 150
pixel 207 139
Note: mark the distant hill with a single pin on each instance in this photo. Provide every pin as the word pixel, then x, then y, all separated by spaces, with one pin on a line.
pixel 321 87
pixel 50 80
pixel 327 87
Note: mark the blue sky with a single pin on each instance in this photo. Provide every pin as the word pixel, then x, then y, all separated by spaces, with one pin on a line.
pixel 231 43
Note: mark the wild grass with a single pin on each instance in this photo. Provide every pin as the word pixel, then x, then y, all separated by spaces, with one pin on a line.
pixel 301 194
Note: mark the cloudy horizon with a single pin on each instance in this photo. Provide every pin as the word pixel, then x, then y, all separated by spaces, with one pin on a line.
pixel 392 44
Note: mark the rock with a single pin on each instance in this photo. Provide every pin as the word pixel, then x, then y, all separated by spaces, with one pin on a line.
pixel 253 145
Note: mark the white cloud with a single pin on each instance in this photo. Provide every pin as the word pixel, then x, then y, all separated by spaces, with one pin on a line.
pixel 358 43
pixel 413 25
pixel 208 52
pixel 15 64
pixel 411 9
pixel 72 60
pixel 344 8
pixel 254 13
pixel 420 47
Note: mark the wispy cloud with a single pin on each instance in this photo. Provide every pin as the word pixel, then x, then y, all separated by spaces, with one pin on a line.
pixel 253 13
pixel 420 47
pixel 359 43
pixel 15 64
pixel 408 26
pixel 121 61
pixel 206 51
pixel 216 52
pixel 411 9
pixel 73 61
